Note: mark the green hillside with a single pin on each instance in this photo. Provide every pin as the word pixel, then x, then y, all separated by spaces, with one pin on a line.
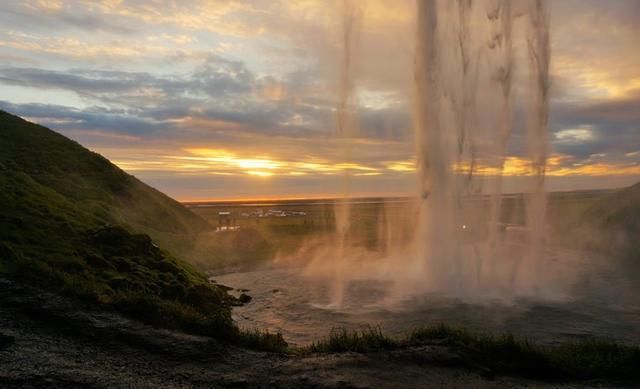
pixel 620 209
pixel 72 222
pixel 613 224
pixel 89 180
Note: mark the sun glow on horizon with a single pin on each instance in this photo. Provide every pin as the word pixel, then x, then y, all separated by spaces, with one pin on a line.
pixel 193 96
pixel 227 163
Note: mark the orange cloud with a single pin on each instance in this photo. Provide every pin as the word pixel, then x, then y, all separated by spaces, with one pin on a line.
pixel 401 166
pixel 226 162
pixel 272 90
pixel 77 48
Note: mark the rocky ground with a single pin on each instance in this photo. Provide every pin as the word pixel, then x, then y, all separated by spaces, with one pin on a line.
pixel 49 341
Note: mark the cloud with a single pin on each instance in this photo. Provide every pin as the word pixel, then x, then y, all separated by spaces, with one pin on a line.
pixel 573 136
pixel 94 118
pixel 216 77
pixel 57 15
pixel 260 78
pixel 609 126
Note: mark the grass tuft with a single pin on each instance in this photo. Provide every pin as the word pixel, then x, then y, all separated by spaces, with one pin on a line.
pixel 262 340
pixel 367 339
pixel 341 340
pixel 586 359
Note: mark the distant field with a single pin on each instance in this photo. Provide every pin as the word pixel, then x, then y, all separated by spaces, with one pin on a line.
pixel 268 228
pixel 271 226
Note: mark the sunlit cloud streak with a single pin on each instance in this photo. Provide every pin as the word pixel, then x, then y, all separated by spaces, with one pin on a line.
pixel 161 87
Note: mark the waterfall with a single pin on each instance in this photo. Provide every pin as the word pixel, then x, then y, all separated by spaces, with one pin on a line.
pixel 346 130
pixel 464 70
pixel 481 97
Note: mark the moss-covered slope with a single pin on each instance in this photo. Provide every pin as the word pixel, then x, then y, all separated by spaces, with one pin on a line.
pixel 71 221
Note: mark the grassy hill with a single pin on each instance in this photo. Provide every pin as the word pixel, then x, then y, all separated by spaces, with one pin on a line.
pixel 613 225
pixel 619 210
pixel 72 222
pixel 90 181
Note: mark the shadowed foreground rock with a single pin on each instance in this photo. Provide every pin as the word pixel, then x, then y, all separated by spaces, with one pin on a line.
pixel 49 341
pixel 6 341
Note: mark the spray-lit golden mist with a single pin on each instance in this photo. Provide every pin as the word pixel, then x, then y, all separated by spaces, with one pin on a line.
pixel 452 238
pixel 347 129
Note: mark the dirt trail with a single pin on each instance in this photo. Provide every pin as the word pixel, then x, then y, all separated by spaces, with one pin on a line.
pixel 49 341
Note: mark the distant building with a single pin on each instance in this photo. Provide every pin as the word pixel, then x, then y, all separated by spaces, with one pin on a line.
pixel 225 223
pixel 224 219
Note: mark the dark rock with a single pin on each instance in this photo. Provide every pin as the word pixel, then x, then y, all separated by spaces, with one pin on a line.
pixel 202 294
pixel 245 298
pixel 118 283
pixel 7 253
pixel 118 239
pixel 275 291
pixel 97 261
pixel 6 341
pixel 167 266
pixel 122 264
pixel 487 373
pixel 429 354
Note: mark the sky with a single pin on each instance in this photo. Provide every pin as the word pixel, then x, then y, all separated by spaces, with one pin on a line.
pixel 237 99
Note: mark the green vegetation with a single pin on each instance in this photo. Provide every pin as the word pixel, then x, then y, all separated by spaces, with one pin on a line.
pixel 611 226
pixel 585 359
pixel 366 340
pixel 58 173
pixel 620 209
pixel 616 218
pixel 234 248
pixel 72 222
pixel 259 239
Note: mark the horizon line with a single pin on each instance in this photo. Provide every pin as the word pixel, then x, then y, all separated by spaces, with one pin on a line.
pixel 357 197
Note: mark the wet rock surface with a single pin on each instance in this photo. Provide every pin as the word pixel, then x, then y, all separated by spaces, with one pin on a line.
pixel 49 341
